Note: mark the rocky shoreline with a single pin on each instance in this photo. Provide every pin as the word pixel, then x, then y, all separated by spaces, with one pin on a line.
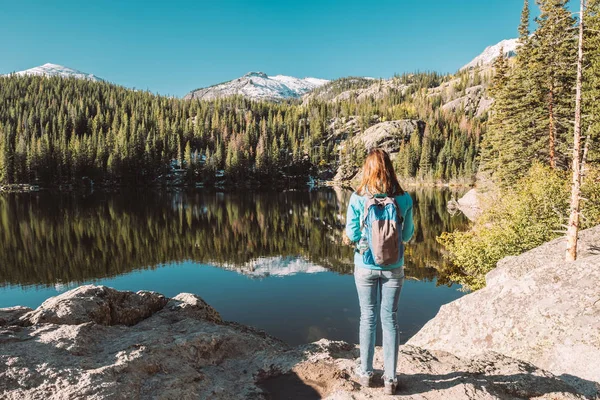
pixel 95 342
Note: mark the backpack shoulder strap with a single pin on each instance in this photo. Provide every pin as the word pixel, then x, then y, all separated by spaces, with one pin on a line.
pixel 399 211
pixel 392 200
pixel 369 200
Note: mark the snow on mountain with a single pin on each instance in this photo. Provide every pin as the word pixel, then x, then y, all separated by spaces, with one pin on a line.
pixel 263 267
pixel 58 70
pixel 259 86
pixel 492 52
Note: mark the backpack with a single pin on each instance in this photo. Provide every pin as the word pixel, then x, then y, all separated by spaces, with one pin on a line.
pixel 382 229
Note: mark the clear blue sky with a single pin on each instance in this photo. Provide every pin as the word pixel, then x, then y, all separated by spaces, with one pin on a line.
pixel 172 47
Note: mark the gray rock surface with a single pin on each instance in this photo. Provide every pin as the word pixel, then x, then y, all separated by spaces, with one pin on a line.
pixel 99 304
pixel 94 342
pixel 474 100
pixel 182 350
pixel 375 89
pixel 536 307
pixel 11 315
pixel 425 374
pixel 341 128
pixel 470 204
pixel 484 105
pixel 390 134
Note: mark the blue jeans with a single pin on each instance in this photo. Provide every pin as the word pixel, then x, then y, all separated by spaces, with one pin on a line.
pixel 378 288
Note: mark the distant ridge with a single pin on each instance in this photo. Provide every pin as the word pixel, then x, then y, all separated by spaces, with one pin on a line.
pixel 260 86
pixel 58 70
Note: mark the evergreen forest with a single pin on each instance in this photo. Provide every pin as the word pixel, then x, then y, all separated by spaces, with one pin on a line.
pixel 57 131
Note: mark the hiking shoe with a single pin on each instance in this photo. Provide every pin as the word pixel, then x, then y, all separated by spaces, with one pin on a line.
pixel 365 379
pixel 389 386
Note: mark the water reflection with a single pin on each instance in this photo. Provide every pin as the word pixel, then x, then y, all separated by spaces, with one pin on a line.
pixel 49 238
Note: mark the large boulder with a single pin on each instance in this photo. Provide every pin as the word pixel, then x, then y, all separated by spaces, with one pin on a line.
pixel 99 304
pixel 470 204
pixel 389 135
pixel 536 307
pixel 181 350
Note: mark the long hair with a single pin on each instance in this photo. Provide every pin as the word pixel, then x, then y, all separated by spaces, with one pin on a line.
pixel 379 175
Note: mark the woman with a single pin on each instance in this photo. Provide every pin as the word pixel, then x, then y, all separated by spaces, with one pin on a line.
pixel 378 283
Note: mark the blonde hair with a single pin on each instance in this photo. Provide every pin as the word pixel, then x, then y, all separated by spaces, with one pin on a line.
pixel 379 175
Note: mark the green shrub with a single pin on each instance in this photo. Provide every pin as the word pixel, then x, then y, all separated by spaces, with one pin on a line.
pixel 532 212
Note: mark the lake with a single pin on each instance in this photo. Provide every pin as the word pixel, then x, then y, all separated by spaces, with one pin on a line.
pixel 274 261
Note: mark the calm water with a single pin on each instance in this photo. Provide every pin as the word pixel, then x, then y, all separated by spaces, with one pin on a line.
pixel 271 260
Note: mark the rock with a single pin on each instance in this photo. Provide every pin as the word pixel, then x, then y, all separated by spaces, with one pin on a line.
pixel 390 134
pixel 195 307
pixel 11 315
pixel 470 102
pixel 341 128
pixel 185 350
pixel 536 307
pixel 357 90
pixel 470 204
pixel 347 173
pixel 386 135
pixel 99 304
pixel 515 267
pixel 484 105
pixel 182 350
pixel 328 372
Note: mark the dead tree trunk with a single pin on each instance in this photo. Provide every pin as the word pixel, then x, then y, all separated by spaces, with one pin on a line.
pixel 552 127
pixel 573 228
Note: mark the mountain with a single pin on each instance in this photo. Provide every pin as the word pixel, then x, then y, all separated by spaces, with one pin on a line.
pixel 492 52
pixel 259 86
pixel 263 267
pixel 58 70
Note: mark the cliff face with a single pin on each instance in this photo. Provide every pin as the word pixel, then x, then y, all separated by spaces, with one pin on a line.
pixel 95 342
pixel 535 307
pixel 387 135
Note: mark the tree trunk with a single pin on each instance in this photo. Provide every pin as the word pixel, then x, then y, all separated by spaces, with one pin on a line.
pixel 552 126
pixel 573 229
pixel 586 147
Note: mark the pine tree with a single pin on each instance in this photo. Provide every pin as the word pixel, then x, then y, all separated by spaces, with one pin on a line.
pixel 500 78
pixel 425 158
pixel 274 156
pixel 188 156
pixel 524 26
pixel 529 119
pixel 553 58
pixel 591 82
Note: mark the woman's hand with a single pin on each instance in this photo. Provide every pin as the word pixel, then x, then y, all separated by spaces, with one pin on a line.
pixel 345 239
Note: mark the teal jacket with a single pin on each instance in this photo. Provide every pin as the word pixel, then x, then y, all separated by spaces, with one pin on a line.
pixel 354 216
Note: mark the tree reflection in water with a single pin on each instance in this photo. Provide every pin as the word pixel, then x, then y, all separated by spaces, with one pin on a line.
pixel 48 238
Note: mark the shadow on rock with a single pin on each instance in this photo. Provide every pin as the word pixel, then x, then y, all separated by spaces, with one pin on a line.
pixel 514 386
pixel 288 386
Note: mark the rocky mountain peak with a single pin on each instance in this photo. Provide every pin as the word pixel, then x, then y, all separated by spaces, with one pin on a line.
pixel 509 46
pixel 256 74
pixel 50 69
pixel 259 86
